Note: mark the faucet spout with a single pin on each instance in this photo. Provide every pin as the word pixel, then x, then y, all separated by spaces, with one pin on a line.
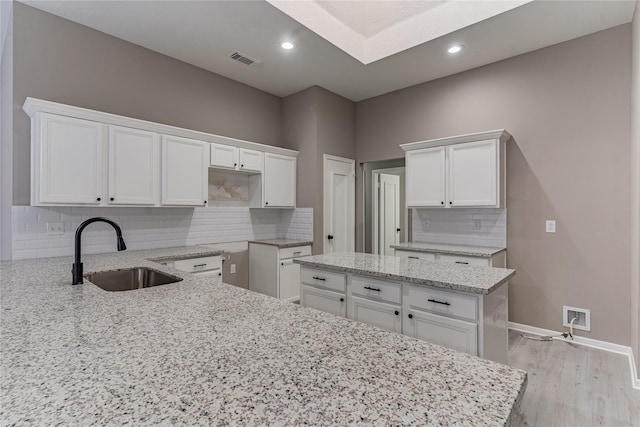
pixel 76 270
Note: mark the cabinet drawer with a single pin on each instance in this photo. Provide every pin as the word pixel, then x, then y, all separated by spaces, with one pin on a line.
pixel 193 265
pixel 451 333
pixel 465 260
pixel 442 302
pixel 380 314
pixel 294 252
pixel 426 256
pixel 324 279
pixel 323 300
pixel 376 289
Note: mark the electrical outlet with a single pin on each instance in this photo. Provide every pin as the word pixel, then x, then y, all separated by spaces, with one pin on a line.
pixel 550 226
pixel 232 269
pixel 582 316
pixel 55 228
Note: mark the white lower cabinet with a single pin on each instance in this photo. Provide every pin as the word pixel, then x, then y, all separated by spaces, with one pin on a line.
pixel 447 332
pixel 383 315
pixel 323 300
pixel 496 260
pixel 426 256
pixel 272 270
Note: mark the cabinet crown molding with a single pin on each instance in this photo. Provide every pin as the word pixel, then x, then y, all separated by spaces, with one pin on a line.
pixel 500 134
pixel 32 106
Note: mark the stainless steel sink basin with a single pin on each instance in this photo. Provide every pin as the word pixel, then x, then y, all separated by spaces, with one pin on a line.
pixel 130 279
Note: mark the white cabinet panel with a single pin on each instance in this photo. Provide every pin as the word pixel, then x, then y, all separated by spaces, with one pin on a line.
pixel 289 286
pixel 425 256
pixel 323 278
pixel 376 289
pixel 425 177
pixel 465 260
pixel 279 181
pixel 67 160
pixel 251 160
pixel 473 174
pixel 184 171
pixel 133 166
pixel 224 156
pixel 323 300
pixel 451 333
pixel 384 316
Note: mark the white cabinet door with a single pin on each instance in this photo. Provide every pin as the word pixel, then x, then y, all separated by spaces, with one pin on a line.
pixel 134 165
pixel 251 160
pixel 473 174
pixel 289 286
pixel 184 171
pixel 68 161
pixel 279 181
pixel 323 300
pixel 425 177
pixel 425 256
pixel 384 316
pixel 451 333
pixel 224 156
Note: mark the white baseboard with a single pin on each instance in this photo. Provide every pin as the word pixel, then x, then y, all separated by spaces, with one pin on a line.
pixel 588 342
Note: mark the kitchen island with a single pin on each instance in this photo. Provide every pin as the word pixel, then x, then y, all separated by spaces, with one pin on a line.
pixel 199 352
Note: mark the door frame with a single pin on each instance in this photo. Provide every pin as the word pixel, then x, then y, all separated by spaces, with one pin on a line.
pixel 375 206
pixel 325 204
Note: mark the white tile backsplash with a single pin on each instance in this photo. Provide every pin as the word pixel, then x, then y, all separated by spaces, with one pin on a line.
pixel 459 227
pixel 148 228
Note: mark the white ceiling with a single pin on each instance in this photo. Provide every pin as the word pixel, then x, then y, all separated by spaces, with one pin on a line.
pixel 204 33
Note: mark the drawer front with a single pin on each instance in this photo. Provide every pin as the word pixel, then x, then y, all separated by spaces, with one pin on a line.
pixel 451 333
pixel 297 251
pixel 380 314
pixel 324 279
pixel 442 302
pixel 198 264
pixel 376 289
pixel 426 256
pixel 465 260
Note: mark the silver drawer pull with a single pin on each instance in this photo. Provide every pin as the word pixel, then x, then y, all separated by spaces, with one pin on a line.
pixel 319 278
pixel 372 289
pixel 199 265
pixel 439 302
pixel 414 257
pixel 461 262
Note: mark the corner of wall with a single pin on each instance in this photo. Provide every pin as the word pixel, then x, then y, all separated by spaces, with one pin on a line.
pixel 6 129
pixel 635 185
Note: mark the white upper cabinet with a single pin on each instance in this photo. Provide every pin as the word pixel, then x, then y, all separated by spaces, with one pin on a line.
pixel 425 183
pixel 184 178
pixel 67 160
pixel 473 174
pixel 234 158
pixel 134 172
pixel 462 171
pixel 279 181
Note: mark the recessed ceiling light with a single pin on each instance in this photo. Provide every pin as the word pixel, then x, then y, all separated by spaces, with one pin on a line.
pixel 455 48
pixel 287 45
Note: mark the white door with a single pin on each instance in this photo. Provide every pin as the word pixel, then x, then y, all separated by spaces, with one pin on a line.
pixel 388 213
pixel 323 300
pixel 279 181
pixel 447 332
pixel 224 156
pixel 70 160
pixel 384 316
pixel 339 204
pixel 184 171
pixel 425 178
pixel 251 160
pixel 134 165
pixel 473 174
pixel 289 289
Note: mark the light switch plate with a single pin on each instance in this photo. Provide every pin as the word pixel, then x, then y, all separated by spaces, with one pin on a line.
pixel 550 226
pixel 232 269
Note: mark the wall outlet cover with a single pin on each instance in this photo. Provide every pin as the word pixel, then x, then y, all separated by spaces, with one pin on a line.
pixel 582 315
pixel 550 226
pixel 55 228
pixel 232 269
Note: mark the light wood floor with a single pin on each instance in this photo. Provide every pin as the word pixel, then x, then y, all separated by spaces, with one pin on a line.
pixel 573 385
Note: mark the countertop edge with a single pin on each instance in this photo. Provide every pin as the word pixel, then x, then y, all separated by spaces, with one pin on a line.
pixel 282 245
pixel 449 251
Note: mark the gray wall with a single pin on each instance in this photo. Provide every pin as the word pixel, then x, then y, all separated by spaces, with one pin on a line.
pixel 317 122
pixel 6 130
pixel 61 61
pixel 635 189
pixel 567 107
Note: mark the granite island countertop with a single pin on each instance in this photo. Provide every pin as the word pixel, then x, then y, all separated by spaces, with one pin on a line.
pixel 200 352
pixel 465 278
pixel 283 243
pixel 442 248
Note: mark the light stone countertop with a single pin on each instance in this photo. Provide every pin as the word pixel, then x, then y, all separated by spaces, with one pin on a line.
pixel 441 248
pixel 283 243
pixel 199 352
pixel 465 278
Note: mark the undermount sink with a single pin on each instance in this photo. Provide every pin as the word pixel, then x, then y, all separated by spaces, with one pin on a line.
pixel 130 279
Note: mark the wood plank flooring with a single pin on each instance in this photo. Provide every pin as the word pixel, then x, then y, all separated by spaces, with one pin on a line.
pixel 573 385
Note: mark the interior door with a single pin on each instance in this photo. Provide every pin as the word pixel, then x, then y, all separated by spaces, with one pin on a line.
pixel 339 204
pixel 389 213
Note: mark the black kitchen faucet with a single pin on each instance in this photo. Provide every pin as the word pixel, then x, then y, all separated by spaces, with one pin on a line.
pixel 76 270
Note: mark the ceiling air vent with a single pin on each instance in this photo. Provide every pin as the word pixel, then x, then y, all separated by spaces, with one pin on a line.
pixel 246 60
